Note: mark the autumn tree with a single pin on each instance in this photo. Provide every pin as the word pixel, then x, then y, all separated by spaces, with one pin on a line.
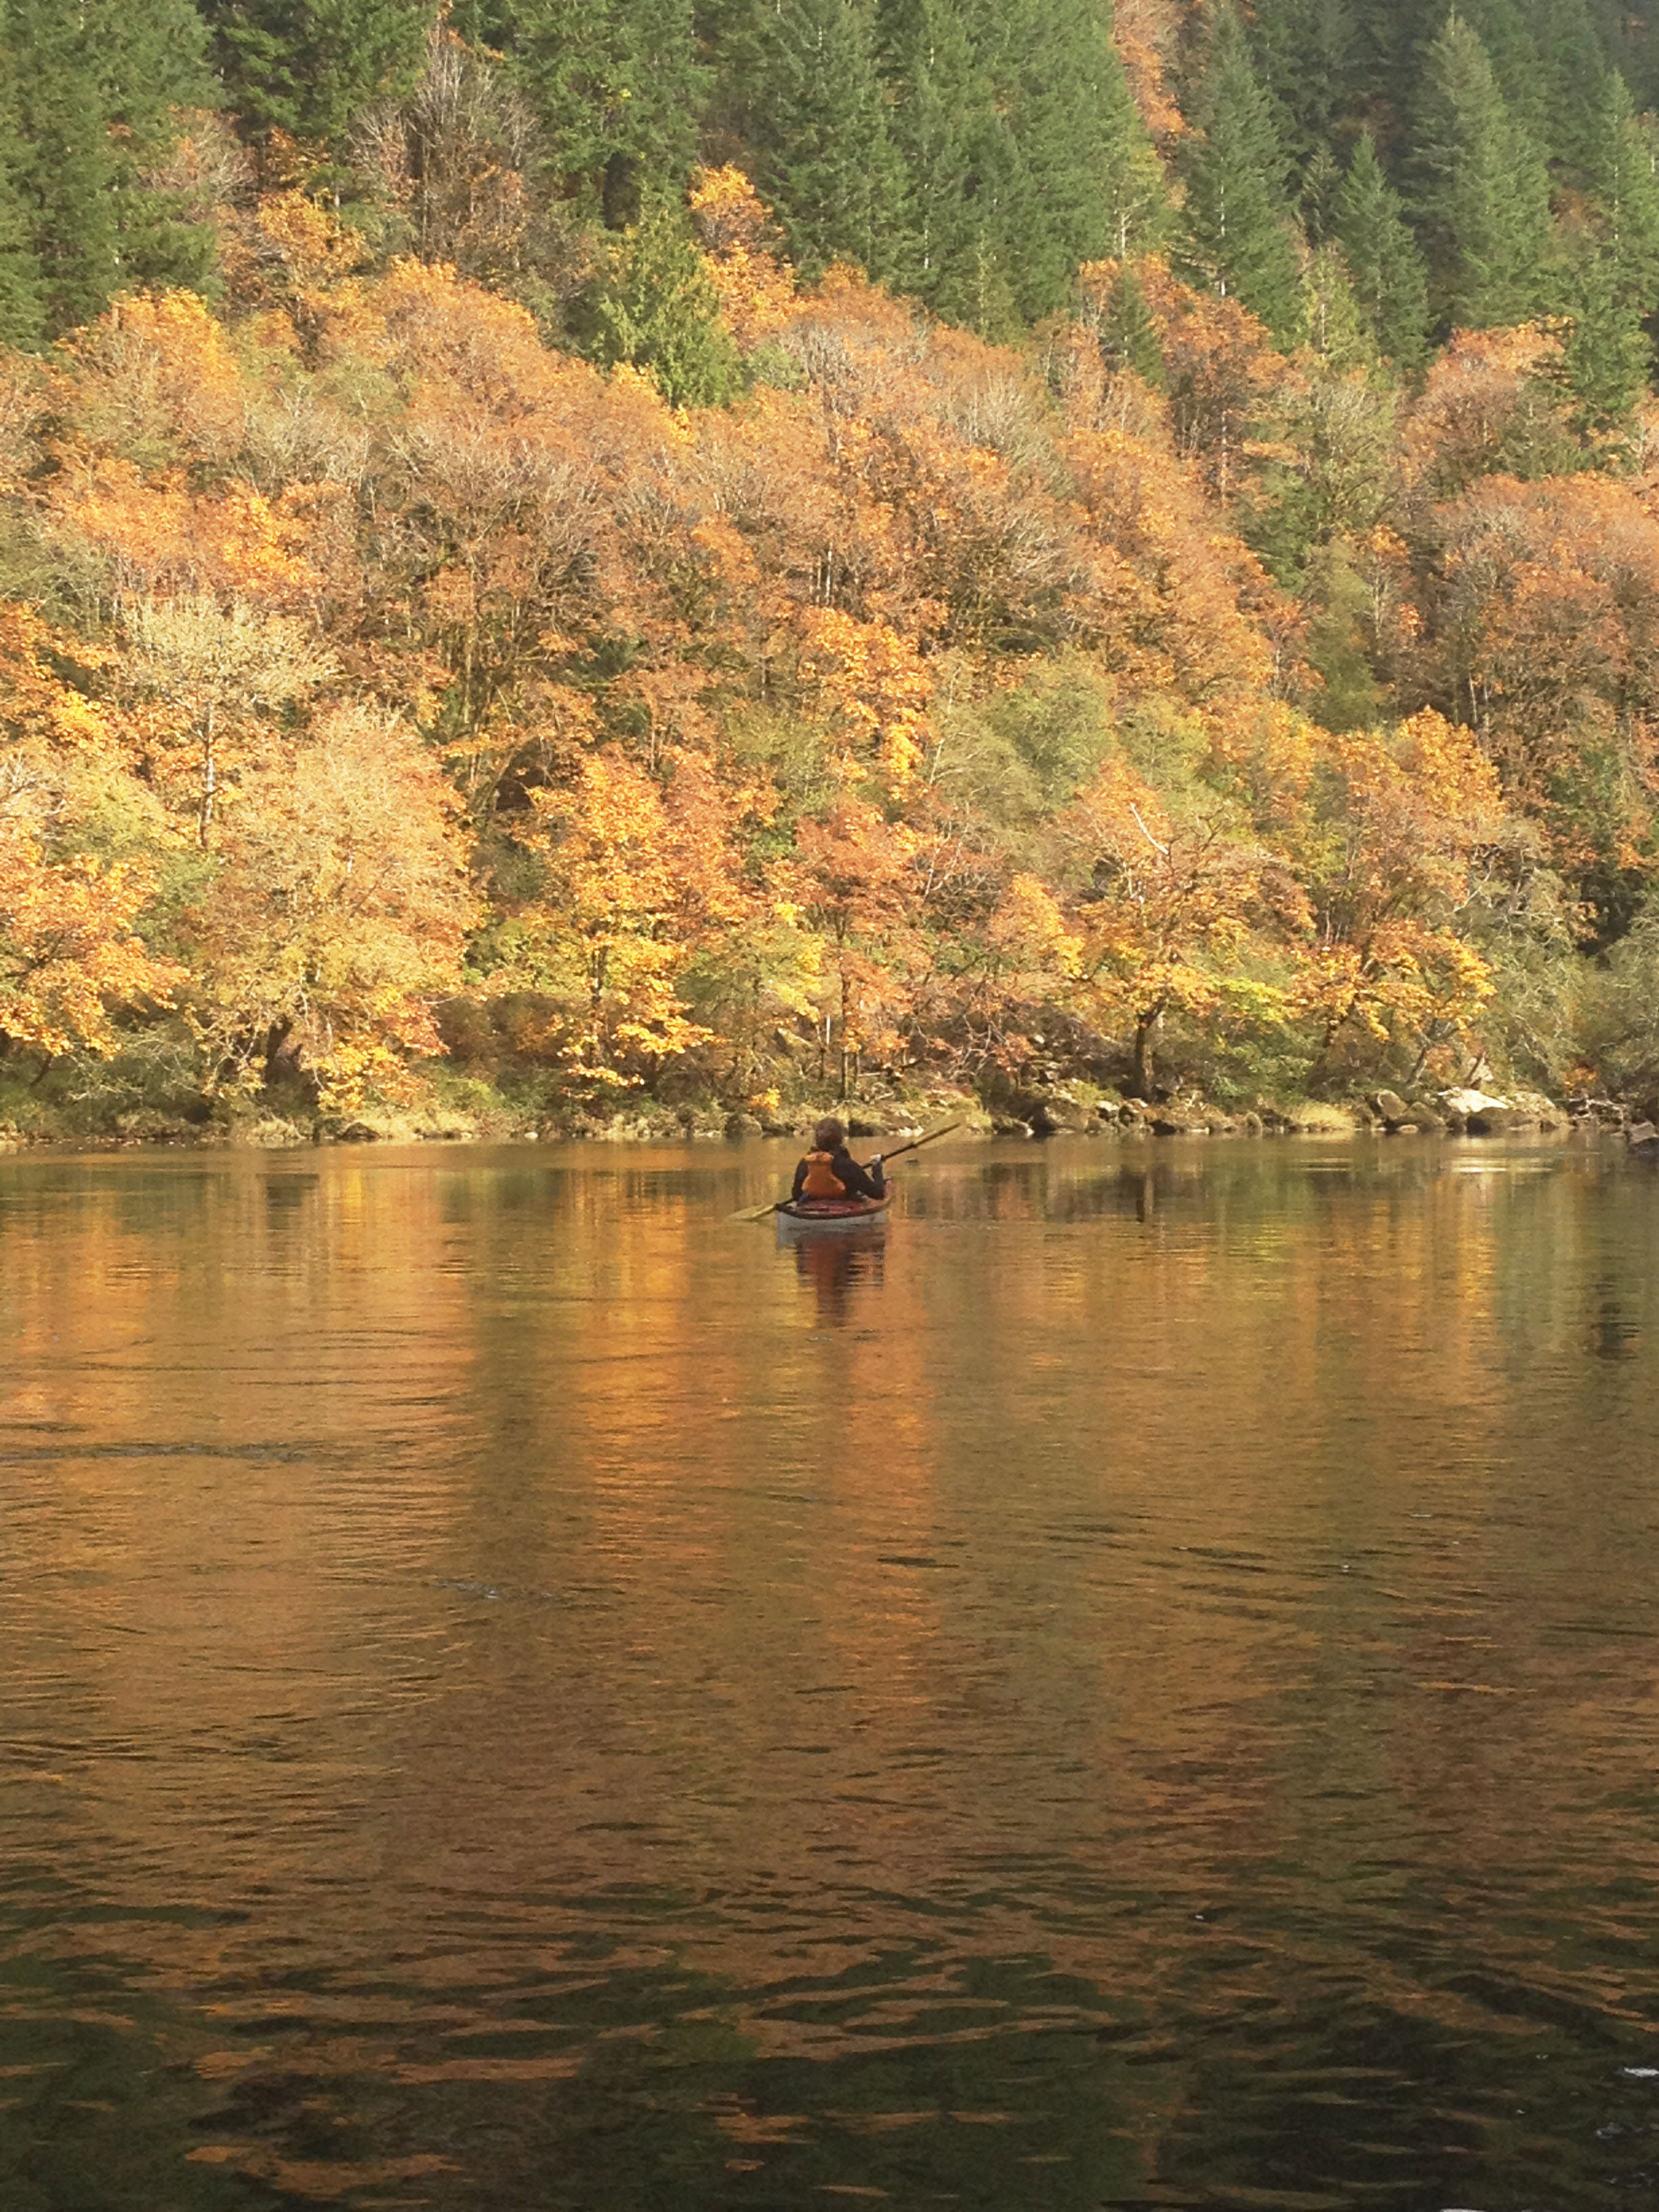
pixel 597 945
pixel 1399 827
pixel 80 840
pixel 1177 897
pixel 335 916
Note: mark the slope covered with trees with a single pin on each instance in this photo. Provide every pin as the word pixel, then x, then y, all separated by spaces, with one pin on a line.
pixel 736 554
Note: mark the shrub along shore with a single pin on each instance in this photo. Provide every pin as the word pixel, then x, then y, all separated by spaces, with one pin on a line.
pixel 1077 1111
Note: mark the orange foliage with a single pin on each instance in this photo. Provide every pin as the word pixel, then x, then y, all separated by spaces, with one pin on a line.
pixel 1407 822
pixel 1549 638
pixel 377 577
pixel 757 290
pixel 69 951
pixel 1487 400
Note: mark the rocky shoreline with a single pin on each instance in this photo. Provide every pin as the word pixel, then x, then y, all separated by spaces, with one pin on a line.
pixel 1040 1115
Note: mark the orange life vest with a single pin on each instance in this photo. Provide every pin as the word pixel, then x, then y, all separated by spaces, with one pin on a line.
pixel 820 1182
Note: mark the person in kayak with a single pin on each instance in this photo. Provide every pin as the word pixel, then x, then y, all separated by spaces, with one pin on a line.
pixel 829 1172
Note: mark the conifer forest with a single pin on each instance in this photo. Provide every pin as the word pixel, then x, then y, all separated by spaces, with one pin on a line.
pixel 653 558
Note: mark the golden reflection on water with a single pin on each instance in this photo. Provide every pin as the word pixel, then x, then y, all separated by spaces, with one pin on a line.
pixel 1139 1679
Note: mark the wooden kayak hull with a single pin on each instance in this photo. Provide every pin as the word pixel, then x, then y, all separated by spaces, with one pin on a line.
pixel 822 1221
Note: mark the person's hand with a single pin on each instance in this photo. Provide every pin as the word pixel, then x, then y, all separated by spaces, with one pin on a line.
pixel 875 1161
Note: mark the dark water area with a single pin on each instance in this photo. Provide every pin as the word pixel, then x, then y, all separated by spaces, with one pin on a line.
pixel 1138 1687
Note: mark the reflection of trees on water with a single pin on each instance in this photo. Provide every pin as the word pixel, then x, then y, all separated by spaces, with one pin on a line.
pixel 1073 1754
pixel 833 1265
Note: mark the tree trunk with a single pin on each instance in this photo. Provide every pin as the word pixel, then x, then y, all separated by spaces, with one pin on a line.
pixel 1141 1072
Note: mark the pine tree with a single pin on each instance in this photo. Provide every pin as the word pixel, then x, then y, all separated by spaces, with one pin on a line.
pixel 1573 76
pixel 67 179
pixel 152 63
pixel 1482 195
pixel 659 312
pixel 1306 54
pixel 1239 240
pixel 21 316
pixel 940 118
pixel 87 113
pixel 1389 47
pixel 617 85
pixel 1084 184
pixel 308 66
pixel 1624 191
pixel 1389 281
pixel 1339 330
pixel 1504 33
pixel 1128 332
pixel 810 106
pixel 1609 355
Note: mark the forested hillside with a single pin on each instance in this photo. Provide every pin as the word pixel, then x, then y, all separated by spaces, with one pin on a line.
pixel 553 557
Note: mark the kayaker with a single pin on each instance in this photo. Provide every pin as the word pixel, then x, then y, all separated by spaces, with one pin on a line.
pixel 829 1172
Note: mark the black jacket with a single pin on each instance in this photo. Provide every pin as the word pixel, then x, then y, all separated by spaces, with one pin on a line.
pixel 857 1182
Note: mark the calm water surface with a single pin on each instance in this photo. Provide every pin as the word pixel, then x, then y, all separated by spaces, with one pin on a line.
pixel 1138 1688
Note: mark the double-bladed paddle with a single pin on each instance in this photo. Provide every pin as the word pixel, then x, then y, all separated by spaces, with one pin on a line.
pixel 760 1212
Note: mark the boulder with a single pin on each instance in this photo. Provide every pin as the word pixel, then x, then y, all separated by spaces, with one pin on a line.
pixel 1538 1110
pixel 1495 1122
pixel 742 1125
pixel 1405 1117
pixel 1053 1113
pixel 1462 1101
pixel 1643 1137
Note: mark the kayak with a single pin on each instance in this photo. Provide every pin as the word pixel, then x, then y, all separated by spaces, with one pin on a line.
pixel 833 1216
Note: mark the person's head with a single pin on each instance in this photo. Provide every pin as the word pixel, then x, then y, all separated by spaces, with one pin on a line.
pixel 829 1136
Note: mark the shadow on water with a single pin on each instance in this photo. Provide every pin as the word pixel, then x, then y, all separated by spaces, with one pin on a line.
pixel 511 1701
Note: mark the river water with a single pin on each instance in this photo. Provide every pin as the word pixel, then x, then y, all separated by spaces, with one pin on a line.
pixel 1137 1688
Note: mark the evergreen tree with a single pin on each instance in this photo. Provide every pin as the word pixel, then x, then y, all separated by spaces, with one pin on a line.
pixel 617 85
pixel 1084 184
pixel 1389 43
pixel 1128 333
pixel 1573 76
pixel 308 66
pixel 809 102
pixel 88 112
pixel 1482 194
pixel 1306 54
pixel 1513 52
pixel 1389 281
pixel 1239 239
pixel 151 63
pixel 21 307
pixel 1608 357
pixel 1338 328
pixel 658 311
pixel 1624 192
pixel 942 120
pixel 67 179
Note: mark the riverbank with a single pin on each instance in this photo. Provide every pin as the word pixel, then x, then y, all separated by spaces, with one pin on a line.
pixel 439 1116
